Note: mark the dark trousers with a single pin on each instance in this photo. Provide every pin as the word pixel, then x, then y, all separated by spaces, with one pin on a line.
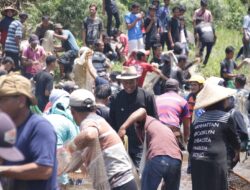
pixel 15 57
pixel 209 46
pixel 209 175
pixel 164 40
pixel 109 24
pixel 67 60
pixel 131 185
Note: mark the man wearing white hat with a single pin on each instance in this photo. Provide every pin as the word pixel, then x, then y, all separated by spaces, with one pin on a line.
pixel 210 136
pixel 125 103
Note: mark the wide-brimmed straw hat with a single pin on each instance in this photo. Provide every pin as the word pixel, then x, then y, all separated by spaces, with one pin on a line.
pixel 212 94
pixel 128 73
pixel 14 84
pixel 15 12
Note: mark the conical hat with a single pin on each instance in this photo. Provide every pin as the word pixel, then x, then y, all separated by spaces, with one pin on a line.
pixel 212 94
pixel 3 12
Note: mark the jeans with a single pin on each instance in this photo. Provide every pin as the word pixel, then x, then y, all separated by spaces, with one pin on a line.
pixel 161 167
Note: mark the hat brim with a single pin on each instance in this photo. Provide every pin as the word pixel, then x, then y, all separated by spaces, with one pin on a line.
pixel 11 154
pixel 212 94
pixel 122 77
pixel 3 12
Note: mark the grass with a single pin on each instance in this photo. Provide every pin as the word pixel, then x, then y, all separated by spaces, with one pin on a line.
pixel 225 37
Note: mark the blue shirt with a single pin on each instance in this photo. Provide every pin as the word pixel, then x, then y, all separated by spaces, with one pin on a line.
pixel 134 33
pixel 36 139
pixel 70 43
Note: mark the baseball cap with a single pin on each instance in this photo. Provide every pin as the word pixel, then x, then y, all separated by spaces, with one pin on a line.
pixel 171 84
pixel 34 39
pixel 14 84
pixel 82 98
pixel 7 139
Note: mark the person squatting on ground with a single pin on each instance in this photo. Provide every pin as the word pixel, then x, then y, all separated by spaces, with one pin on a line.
pixel 68 46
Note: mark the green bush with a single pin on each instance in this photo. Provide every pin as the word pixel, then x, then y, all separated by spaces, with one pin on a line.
pixel 68 12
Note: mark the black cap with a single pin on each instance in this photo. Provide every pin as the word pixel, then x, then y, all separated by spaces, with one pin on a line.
pixel 171 85
pixel 178 48
pixel 165 58
pixel 181 58
pixel 50 59
pixel 23 15
pixel 204 2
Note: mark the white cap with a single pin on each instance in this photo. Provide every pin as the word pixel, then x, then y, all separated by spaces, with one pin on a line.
pixel 82 98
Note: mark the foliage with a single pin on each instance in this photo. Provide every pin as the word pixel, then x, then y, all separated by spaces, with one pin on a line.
pixel 225 37
pixel 68 12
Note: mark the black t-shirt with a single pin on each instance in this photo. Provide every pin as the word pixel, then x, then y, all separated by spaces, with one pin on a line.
pixel 44 81
pixel 107 48
pixel 210 136
pixel 156 60
pixel 123 105
pixel 205 32
pixel 103 111
pixel 93 29
pixel 177 74
pixel 151 35
pixel 227 66
pixel 174 26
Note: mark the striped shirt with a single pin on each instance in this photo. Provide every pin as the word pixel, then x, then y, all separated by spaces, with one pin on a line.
pixel 15 30
pixel 172 109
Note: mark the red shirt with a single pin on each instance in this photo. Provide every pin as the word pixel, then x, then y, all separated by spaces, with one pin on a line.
pixel 142 69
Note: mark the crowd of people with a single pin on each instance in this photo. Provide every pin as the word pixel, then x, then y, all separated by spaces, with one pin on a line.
pixel 125 130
